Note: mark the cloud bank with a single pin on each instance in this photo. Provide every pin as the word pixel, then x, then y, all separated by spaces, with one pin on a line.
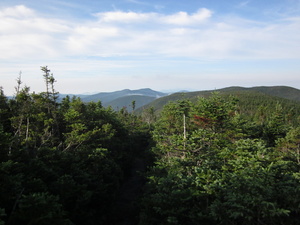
pixel 26 33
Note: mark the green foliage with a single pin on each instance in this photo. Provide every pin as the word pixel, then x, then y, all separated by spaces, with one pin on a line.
pixel 215 160
pixel 254 103
pixel 4 112
pixel 215 112
pixel 40 208
pixel 219 174
pixel 289 146
pixel 4 144
pixel 64 163
pixel 2 214
pixel 171 118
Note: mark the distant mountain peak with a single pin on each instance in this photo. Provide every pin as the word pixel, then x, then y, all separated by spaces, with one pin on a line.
pixel 106 97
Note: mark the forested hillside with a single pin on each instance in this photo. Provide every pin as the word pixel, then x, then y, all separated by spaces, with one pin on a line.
pixel 223 158
pixel 251 101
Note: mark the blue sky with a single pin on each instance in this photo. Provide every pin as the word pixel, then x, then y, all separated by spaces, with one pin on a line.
pixel 108 45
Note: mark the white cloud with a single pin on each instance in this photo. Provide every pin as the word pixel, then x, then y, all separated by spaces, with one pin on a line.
pixel 89 39
pixel 123 17
pixel 183 18
pixel 19 11
pixel 27 34
pixel 180 18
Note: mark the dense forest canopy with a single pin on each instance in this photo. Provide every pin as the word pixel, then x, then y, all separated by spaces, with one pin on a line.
pixel 213 166
pixel 210 160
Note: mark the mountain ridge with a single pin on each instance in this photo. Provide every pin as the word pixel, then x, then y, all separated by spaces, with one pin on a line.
pixel 276 93
pixel 106 97
pixel 147 97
